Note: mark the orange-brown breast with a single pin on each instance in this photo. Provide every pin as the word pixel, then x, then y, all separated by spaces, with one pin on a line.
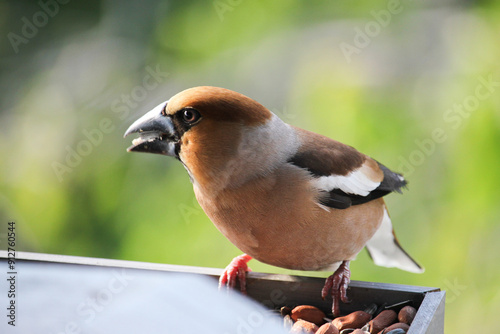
pixel 277 221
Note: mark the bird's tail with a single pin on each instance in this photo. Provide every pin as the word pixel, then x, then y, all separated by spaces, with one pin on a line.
pixel 385 250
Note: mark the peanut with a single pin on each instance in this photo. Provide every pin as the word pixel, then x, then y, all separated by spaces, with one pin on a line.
pixel 381 321
pixel 355 319
pixel 302 326
pixel 407 314
pixel 398 325
pixel 328 328
pixel 308 313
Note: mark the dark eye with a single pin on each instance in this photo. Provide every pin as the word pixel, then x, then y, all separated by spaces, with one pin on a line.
pixel 190 115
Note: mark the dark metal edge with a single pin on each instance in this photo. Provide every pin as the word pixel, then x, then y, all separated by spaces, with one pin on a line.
pixel 42 257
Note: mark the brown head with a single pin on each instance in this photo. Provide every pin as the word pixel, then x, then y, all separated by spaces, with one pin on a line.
pixel 202 126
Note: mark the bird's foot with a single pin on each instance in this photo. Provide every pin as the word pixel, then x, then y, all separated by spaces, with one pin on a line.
pixel 236 270
pixel 336 285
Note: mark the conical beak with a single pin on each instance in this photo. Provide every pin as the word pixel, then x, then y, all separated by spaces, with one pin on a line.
pixel 156 133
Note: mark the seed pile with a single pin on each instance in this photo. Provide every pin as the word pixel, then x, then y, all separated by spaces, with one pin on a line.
pixel 311 320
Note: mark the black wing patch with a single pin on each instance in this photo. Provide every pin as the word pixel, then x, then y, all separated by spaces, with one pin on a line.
pixel 392 181
pixel 340 200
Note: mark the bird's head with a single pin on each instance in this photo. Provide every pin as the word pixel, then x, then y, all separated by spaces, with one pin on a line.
pixel 214 132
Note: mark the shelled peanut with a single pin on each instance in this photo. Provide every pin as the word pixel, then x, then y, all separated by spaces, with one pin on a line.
pixel 310 319
pixel 356 319
pixel 407 314
pixel 301 326
pixel 381 321
pixel 308 313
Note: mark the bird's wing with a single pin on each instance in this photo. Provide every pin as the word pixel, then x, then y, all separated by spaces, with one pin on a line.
pixel 346 176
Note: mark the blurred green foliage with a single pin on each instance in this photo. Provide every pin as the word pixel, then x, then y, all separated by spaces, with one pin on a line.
pixel 88 61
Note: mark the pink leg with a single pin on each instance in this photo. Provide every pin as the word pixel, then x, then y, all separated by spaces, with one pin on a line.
pixel 237 269
pixel 336 285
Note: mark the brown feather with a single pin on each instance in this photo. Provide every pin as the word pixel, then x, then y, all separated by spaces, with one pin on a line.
pixel 323 156
pixel 220 104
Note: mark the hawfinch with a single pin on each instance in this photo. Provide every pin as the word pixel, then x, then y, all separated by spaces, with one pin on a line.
pixel 284 196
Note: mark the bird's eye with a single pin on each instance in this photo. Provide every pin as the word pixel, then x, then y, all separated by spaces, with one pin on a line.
pixel 190 115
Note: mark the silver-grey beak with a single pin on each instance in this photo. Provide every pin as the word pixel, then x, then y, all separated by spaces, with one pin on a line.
pixel 156 133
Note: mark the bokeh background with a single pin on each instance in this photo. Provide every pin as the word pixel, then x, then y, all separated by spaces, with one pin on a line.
pixel 414 84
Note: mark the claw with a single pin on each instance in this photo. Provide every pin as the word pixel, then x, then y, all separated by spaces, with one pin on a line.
pixel 236 270
pixel 337 285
